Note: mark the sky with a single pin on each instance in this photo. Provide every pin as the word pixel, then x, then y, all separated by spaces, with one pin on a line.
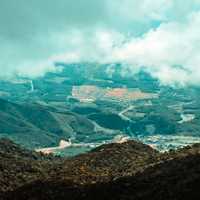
pixel 159 36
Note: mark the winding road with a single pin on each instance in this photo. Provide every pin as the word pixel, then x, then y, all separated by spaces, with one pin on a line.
pixel 121 114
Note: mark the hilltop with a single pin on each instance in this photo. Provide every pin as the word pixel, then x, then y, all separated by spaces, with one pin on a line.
pixel 130 170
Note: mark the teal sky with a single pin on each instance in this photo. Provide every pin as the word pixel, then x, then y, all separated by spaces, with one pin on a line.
pixel 158 34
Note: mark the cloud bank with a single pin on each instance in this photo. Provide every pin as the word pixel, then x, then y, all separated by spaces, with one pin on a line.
pixel 170 52
pixel 159 36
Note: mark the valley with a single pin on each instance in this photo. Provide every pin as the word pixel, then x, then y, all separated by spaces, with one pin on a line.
pixel 95 108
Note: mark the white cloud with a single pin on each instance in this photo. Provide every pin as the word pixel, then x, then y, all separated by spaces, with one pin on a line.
pixel 170 52
pixel 144 10
pixel 161 36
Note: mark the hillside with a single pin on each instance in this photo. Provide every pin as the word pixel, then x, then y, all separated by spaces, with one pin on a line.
pixel 34 125
pixel 130 170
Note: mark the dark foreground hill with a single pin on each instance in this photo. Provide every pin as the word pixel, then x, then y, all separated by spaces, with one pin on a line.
pixel 130 170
